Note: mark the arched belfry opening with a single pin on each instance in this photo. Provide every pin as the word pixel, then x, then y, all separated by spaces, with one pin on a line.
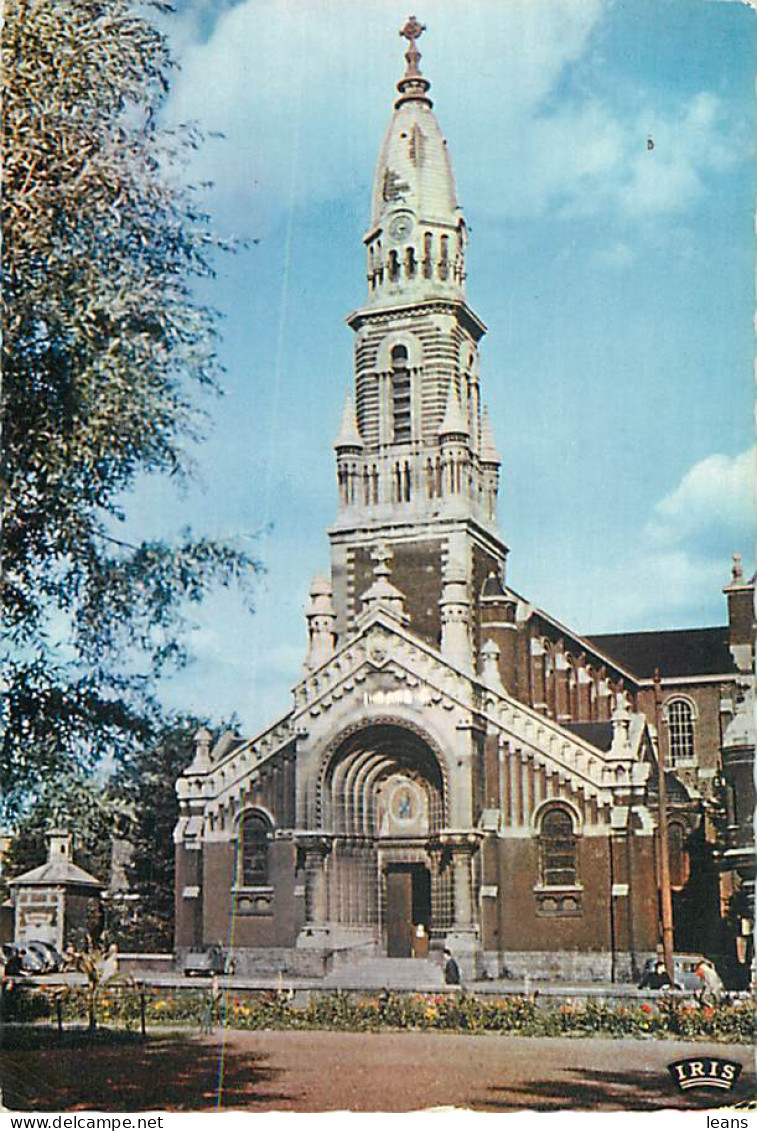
pixel 382 803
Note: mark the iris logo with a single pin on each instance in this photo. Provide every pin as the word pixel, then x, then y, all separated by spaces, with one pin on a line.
pixel 705 1072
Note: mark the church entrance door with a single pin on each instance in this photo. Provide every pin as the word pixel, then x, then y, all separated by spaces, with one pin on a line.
pixel 408 903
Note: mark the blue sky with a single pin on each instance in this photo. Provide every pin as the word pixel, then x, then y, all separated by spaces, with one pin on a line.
pixel 615 279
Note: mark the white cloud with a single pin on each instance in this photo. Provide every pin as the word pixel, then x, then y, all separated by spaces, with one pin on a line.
pixel 694 140
pixel 295 86
pixel 684 552
pixel 669 573
pixel 588 158
pixel 288 85
pixel 715 498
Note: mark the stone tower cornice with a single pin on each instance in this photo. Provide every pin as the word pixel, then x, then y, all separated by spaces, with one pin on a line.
pixel 390 314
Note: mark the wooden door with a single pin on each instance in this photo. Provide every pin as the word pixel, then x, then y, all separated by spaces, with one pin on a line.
pixel 399 913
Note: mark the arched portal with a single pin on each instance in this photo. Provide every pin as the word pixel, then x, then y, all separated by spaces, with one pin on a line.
pixel 382 800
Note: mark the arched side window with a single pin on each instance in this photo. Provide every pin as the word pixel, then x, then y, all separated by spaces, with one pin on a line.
pixel 254 840
pixel 593 694
pixel 401 395
pixel 573 703
pixel 678 855
pixel 550 683
pixel 557 849
pixel 680 718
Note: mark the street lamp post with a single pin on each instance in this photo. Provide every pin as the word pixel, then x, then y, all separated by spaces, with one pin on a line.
pixel 663 873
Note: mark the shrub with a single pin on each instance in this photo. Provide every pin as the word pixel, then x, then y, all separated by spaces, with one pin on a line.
pixel 118 1006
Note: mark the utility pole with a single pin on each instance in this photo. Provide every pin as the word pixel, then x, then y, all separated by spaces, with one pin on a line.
pixel 663 871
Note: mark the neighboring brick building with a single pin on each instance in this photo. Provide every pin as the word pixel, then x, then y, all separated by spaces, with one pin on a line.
pixel 454 757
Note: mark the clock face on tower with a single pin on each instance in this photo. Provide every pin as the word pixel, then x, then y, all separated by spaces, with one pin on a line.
pixel 401 227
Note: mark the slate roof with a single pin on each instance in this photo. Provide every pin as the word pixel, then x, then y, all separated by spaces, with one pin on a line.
pixel 675 788
pixel 598 734
pixel 57 873
pixel 676 652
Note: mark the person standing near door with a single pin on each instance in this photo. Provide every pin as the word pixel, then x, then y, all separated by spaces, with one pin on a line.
pixel 420 941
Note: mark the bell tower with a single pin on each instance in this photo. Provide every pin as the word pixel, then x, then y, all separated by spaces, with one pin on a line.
pixel 417 469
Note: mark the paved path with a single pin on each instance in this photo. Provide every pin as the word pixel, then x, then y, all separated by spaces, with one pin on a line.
pixel 407 1071
pixel 318 1071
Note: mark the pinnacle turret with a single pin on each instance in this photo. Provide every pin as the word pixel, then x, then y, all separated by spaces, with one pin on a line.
pixel 454 423
pixel 349 433
pixel 489 453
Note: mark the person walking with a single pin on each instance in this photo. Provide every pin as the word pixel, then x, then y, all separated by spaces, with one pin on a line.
pixel 451 969
pixel 712 988
pixel 212 1001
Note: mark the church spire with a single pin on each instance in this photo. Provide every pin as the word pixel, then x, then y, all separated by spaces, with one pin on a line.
pixel 413 470
pixel 416 242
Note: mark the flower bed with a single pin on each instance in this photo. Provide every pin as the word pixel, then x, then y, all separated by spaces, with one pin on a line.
pixel 517 1015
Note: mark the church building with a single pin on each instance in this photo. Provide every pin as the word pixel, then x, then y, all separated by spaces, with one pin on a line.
pixel 458 769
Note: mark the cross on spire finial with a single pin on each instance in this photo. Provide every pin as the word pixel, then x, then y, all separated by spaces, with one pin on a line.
pixel 412 86
pixel 411 31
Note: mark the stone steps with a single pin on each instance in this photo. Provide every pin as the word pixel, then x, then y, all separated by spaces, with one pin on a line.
pixel 372 973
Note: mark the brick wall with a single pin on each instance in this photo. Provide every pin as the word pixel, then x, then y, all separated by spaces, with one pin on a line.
pixel 416 570
pixel 188 911
pixel 522 928
pixel 274 922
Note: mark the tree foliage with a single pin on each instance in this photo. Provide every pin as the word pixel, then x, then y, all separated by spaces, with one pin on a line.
pixel 88 810
pixel 105 350
pixel 145 787
pixel 136 809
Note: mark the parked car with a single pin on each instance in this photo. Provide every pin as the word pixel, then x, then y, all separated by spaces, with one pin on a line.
pixel 684 969
pixel 205 962
pixel 32 960
pixel 12 962
pixel 48 953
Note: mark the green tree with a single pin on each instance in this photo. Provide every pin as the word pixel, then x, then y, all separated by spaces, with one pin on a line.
pixel 87 809
pixel 145 787
pixel 137 808
pixel 106 348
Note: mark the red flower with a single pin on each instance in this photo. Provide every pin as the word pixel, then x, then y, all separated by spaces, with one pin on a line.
pixel 646 1007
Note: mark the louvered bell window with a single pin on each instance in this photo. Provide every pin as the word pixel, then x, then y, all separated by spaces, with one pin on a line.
pixel 401 394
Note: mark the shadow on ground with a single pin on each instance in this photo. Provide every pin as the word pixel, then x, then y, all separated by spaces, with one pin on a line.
pixel 119 1072
pixel 591 1089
